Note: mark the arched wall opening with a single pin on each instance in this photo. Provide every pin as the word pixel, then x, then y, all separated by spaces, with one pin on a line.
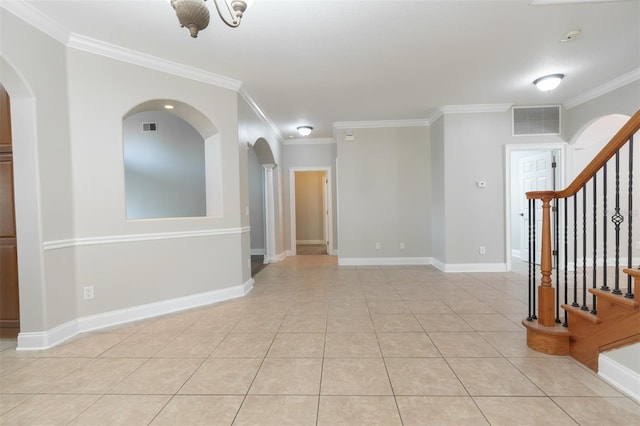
pixel 174 172
pixel 265 158
pixel 31 273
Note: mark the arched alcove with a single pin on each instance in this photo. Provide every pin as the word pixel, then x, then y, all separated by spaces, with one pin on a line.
pixel 172 161
pixel 590 139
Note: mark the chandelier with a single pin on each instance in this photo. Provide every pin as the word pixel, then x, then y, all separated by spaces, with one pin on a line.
pixel 194 14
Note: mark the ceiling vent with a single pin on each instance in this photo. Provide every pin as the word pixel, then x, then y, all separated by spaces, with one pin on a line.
pixel 537 120
pixel 149 127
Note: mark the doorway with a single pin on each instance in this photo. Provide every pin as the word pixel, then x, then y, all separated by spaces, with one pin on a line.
pixel 310 204
pixel 9 291
pixel 534 167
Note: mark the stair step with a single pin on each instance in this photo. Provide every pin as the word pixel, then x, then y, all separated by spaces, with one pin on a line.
pixel 615 298
pixel 582 314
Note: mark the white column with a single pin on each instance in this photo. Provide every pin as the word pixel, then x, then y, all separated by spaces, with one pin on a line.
pixel 269 214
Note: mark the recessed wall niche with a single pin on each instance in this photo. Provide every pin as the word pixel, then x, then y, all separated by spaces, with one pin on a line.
pixel 164 167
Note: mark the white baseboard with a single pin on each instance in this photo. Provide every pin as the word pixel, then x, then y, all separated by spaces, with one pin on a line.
pixel 309 242
pixel 470 267
pixel 257 252
pixel 64 332
pixel 620 376
pixel 372 261
pixel 516 253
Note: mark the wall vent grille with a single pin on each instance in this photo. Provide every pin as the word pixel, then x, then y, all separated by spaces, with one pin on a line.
pixel 149 127
pixel 537 120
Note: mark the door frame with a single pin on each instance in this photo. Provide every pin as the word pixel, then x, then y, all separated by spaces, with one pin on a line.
pixel 559 147
pixel 327 202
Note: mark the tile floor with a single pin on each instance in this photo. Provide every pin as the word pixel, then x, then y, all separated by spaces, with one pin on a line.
pixel 315 343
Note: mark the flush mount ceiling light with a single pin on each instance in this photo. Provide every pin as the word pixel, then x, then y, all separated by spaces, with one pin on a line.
pixel 548 82
pixel 305 130
pixel 194 14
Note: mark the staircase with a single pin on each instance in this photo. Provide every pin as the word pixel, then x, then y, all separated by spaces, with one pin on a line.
pixel 586 242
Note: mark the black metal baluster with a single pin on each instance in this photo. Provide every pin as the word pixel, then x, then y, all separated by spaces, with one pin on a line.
pixel 617 219
pixel 530 271
pixel 532 253
pixel 575 251
pixel 629 294
pixel 584 306
pixel 604 287
pixel 594 309
pixel 566 260
pixel 556 264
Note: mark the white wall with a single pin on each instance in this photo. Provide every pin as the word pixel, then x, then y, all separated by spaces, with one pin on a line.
pixel 384 195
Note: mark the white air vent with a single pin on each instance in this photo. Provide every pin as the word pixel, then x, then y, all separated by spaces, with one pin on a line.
pixel 149 127
pixel 537 120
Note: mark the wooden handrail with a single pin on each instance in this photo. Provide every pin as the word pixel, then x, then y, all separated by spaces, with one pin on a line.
pixel 618 141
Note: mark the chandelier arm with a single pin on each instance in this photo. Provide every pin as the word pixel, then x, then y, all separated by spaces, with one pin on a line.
pixel 232 24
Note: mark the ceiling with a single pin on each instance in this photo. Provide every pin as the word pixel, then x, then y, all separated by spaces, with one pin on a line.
pixel 326 62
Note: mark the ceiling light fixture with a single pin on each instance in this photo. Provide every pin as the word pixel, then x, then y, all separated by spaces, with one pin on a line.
pixel 548 82
pixel 305 130
pixel 168 106
pixel 194 14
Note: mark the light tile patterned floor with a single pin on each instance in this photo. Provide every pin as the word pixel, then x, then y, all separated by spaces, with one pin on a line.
pixel 318 344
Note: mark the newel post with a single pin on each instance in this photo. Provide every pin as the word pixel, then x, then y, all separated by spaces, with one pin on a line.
pixel 546 292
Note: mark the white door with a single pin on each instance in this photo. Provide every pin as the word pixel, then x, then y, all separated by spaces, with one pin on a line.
pixel 536 174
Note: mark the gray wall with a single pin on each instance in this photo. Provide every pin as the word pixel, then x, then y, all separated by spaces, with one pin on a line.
pixel 384 193
pixel 165 169
pixel 256 203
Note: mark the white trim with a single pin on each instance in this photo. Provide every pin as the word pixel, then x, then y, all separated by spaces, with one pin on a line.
pixel 434 116
pixel 603 89
pixel 66 331
pixel 130 56
pixel 36 19
pixel 258 111
pixel 474 109
pixel 516 253
pixel 257 252
pixel 470 267
pixel 308 242
pixel 621 377
pixel 380 124
pixel 119 239
pixel 309 141
pixel 373 261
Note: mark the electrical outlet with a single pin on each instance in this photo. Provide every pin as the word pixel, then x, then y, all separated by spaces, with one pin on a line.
pixel 483 250
pixel 638 245
pixel 401 245
pixel 378 246
pixel 88 292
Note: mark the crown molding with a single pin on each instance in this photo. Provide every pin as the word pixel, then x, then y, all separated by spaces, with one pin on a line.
pixel 603 89
pixel 379 124
pixel 309 141
pixel 130 56
pixel 258 111
pixel 474 109
pixel 36 19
